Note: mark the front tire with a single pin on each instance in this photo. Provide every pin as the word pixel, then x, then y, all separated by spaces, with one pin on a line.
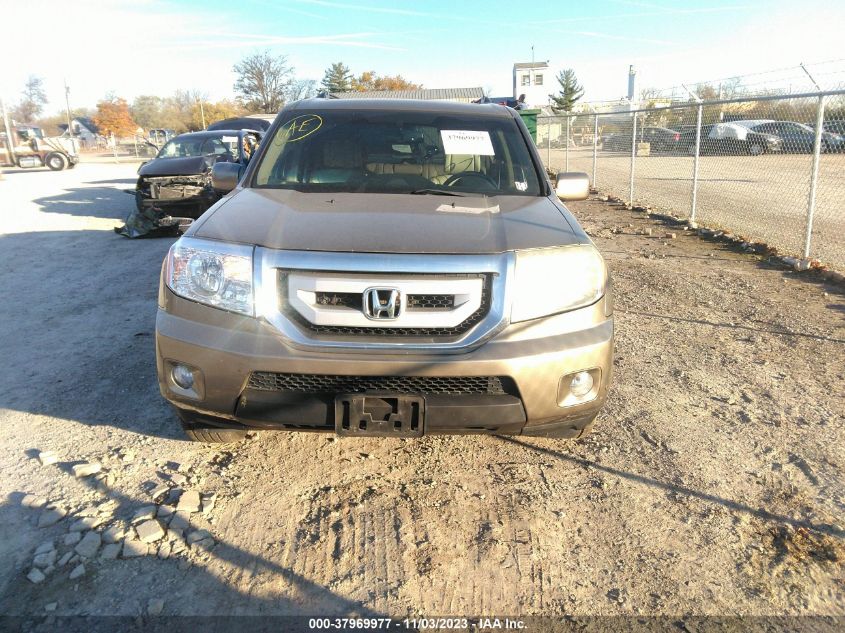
pixel 56 162
pixel 755 149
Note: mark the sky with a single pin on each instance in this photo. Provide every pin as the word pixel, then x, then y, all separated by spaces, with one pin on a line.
pixel 133 47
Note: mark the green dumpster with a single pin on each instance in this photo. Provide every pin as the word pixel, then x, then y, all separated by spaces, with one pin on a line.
pixel 529 117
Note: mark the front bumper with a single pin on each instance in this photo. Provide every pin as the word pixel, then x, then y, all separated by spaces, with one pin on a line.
pixel 225 349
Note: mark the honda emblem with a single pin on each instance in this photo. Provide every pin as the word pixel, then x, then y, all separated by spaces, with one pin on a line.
pixel 382 304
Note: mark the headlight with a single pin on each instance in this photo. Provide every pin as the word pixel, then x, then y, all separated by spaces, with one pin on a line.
pixel 552 280
pixel 213 273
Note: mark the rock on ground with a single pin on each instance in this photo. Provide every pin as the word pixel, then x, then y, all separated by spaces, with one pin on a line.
pixel 133 549
pixel 189 502
pixel 86 469
pixel 150 531
pixel 89 545
pixel 51 515
pixel 35 576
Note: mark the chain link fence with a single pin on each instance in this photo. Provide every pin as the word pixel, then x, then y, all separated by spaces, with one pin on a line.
pixel 770 169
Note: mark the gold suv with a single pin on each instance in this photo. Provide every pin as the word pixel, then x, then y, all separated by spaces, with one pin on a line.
pixel 389 268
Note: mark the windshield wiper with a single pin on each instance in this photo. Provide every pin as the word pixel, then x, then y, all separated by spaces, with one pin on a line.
pixel 438 192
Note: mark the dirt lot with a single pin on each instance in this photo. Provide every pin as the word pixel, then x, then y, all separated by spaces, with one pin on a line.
pixel 761 197
pixel 712 484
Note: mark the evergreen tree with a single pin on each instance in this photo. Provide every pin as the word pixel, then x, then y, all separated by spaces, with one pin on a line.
pixel 570 91
pixel 338 78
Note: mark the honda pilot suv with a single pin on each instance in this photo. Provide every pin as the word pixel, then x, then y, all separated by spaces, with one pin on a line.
pixel 387 268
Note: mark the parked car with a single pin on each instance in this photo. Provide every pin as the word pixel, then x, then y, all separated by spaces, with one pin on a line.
pixel 260 123
pixel 729 139
pixel 390 268
pixel 178 179
pixel 660 139
pixel 835 127
pixel 796 137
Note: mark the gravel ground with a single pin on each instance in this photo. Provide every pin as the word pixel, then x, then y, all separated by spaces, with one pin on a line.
pixel 761 197
pixel 712 484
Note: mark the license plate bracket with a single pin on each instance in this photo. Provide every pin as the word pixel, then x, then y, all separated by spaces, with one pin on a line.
pixel 385 415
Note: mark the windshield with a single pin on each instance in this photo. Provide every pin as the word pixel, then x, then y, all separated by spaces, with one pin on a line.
pixel 399 152
pixel 224 146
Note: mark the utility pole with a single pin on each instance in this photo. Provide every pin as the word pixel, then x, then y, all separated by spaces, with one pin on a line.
pixel 202 113
pixel 10 140
pixel 67 109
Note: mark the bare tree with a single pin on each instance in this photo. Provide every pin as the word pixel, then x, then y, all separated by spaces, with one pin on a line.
pixel 300 89
pixel 33 100
pixel 262 82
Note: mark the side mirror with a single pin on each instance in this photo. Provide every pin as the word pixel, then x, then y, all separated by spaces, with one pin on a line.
pixel 225 176
pixel 572 185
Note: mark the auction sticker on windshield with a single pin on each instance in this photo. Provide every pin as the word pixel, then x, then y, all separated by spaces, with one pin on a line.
pixel 467 142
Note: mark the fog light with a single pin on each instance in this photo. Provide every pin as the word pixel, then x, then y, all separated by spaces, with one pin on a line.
pixel 184 376
pixel 582 384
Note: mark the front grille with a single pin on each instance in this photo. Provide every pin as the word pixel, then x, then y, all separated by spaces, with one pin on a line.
pixel 394 332
pixel 320 383
pixel 431 302
pixel 355 300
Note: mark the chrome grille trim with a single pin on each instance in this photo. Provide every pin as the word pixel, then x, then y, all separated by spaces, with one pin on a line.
pixel 497 267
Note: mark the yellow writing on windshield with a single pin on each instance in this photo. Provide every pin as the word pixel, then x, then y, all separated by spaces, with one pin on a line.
pixel 299 127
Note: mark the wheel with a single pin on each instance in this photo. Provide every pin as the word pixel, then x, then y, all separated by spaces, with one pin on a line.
pixel 56 161
pixel 209 434
pixel 691 149
pixel 755 149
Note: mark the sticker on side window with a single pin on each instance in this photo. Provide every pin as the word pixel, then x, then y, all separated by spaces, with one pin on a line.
pixel 230 139
pixel 472 142
pixel 299 127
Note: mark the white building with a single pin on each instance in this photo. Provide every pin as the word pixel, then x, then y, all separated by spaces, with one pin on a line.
pixel 532 79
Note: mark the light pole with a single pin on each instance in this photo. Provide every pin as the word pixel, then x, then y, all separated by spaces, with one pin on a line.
pixel 67 109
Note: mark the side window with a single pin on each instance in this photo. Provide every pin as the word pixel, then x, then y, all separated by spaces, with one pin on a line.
pixel 538 79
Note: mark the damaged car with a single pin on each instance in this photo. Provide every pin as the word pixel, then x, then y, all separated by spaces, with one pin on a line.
pixel 178 179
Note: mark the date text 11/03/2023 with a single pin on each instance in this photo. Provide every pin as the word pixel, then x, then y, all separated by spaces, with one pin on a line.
pixel 417 624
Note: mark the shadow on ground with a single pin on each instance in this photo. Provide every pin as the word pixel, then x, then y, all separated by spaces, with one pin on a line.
pixel 122 587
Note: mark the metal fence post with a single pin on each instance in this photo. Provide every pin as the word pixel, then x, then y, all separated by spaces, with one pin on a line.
pixel 633 158
pixel 814 180
pixel 595 147
pixel 549 144
pixel 695 166
pixel 567 144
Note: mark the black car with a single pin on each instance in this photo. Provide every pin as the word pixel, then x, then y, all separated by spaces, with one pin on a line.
pixel 660 139
pixel 727 139
pixel 835 127
pixel 260 123
pixel 799 138
pixel 178 180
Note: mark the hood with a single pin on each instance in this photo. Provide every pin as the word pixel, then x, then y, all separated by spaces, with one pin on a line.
pixel 181 166
pixel 388 223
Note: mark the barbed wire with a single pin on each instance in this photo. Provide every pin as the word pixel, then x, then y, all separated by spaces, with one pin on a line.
pixel 798 76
